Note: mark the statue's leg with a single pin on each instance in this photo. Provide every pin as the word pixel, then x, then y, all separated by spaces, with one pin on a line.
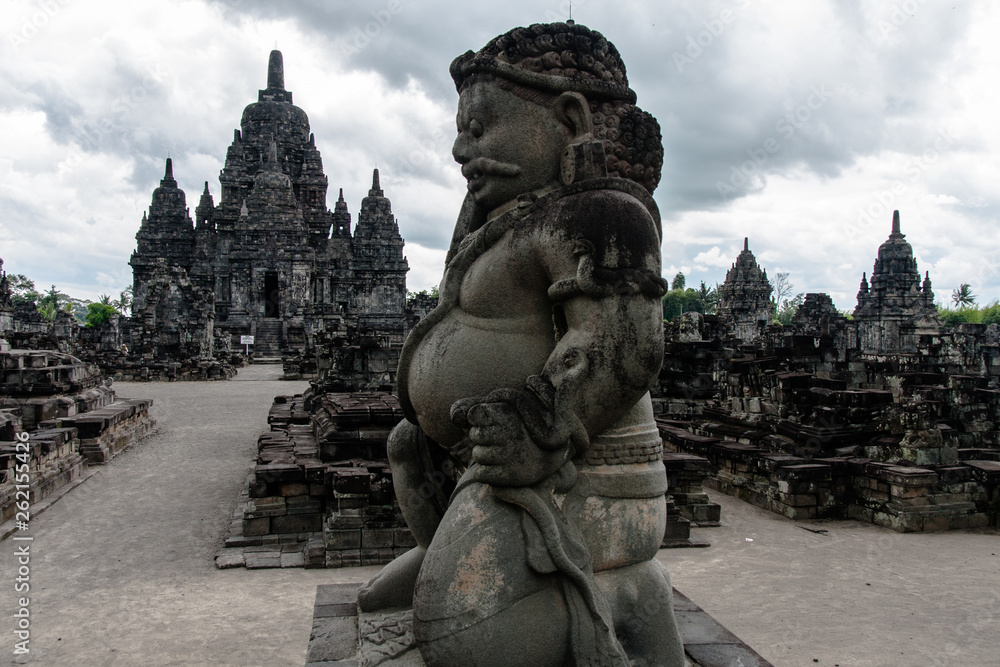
pixel 420 492
pixel 642 605
pixel 477 601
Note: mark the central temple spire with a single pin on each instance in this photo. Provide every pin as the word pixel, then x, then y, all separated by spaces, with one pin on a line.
pixel 376 190
pixel 275 71
pixel 275 91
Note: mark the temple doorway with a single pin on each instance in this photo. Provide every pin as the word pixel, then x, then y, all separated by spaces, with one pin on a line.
pixel 272 295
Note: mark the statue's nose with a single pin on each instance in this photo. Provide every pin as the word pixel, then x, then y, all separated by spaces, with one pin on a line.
pixel 461 150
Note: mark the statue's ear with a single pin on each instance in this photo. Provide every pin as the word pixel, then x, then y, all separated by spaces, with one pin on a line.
pixel 573 111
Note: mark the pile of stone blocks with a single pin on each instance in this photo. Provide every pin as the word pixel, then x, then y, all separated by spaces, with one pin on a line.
pixel 106 431
pixel 53 462
pixel 322 481
pixel 905 498
pixel 70 416
pixel 686 475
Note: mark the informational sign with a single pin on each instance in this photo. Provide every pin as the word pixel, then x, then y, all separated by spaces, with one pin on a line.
pixel 246 340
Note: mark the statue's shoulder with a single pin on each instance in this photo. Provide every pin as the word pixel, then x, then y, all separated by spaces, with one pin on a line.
pixel 607 213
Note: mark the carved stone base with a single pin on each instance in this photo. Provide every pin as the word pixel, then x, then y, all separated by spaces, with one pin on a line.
pixel 342 638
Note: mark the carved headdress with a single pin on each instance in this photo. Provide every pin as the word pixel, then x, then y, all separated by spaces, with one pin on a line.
pixel 568 57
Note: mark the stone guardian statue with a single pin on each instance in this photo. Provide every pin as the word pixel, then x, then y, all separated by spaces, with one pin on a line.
pixel 529 466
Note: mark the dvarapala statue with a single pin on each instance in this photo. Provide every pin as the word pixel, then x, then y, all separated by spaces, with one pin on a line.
pixel 529 465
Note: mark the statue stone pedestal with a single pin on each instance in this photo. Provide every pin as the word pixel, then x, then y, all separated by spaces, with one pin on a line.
pixel 341 637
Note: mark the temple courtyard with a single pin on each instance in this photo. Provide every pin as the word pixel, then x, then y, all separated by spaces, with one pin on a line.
pixel 123 573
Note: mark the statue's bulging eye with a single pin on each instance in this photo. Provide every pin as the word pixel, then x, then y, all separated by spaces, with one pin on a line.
pixel 476 128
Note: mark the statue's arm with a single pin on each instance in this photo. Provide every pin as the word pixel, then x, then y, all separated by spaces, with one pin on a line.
pixel 604 289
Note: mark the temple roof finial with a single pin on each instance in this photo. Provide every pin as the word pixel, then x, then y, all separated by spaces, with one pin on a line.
pixel 275 71
pixel 206 188
pixel 169 172
pixel 341 198
pixel 375 183
pixel 746 242
pixel 895 222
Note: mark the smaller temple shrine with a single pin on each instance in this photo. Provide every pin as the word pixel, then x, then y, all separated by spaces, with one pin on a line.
pixel 745 297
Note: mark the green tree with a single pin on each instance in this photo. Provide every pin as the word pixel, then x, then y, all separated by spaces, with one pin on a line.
pixel 679 301
pixel 678 282
pixel 99 313
pixel 709 297
pixel 123 304
pixel 788 309
pixel 963 296
pixel 990 313
pixel 23 289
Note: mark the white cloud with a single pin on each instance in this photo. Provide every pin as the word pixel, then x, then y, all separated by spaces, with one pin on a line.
pixel 100 92
pixel 713 258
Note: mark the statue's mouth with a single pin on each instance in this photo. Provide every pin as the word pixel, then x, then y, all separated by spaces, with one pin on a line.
pixel 474 170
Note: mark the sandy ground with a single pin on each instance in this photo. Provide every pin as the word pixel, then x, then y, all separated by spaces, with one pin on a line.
pixel 122 567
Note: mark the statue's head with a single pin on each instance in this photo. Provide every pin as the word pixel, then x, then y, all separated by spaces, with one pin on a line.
pixel 531 97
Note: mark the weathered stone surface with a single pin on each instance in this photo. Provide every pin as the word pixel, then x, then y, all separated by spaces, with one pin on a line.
pixel 506 417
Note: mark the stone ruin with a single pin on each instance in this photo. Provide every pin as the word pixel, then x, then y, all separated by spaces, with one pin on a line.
pixel 270 260
pixel 71 417
pixel 66 407
pixel 889 417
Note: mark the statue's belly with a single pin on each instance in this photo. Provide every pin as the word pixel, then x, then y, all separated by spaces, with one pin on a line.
pixel 465 356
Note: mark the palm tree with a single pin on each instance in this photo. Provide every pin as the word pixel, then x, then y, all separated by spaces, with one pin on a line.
pixel 709 297
pixel 963 296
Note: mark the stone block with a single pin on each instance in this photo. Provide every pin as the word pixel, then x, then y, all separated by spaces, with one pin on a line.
pixel 228 559
pixel 403 538
pixel 376 538
pixel 343 539
pixel 255 527
pixel 264 507
pixel 296 523
pixel 352 482
pixel 293 559
pixel 303 505
pixel 257 561
pixel 333 639
pixel 798 500
pixel 296 489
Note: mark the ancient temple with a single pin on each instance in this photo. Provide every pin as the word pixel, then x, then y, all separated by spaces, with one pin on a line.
pixel 270 260
pixel 745 297
pixel 895 308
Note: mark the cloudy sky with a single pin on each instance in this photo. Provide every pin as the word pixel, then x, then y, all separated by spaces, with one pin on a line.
pixel 801 125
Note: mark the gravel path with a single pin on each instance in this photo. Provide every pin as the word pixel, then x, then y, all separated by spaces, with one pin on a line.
pixel 122 567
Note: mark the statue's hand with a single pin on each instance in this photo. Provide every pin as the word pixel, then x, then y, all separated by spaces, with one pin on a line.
pixel 503 451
